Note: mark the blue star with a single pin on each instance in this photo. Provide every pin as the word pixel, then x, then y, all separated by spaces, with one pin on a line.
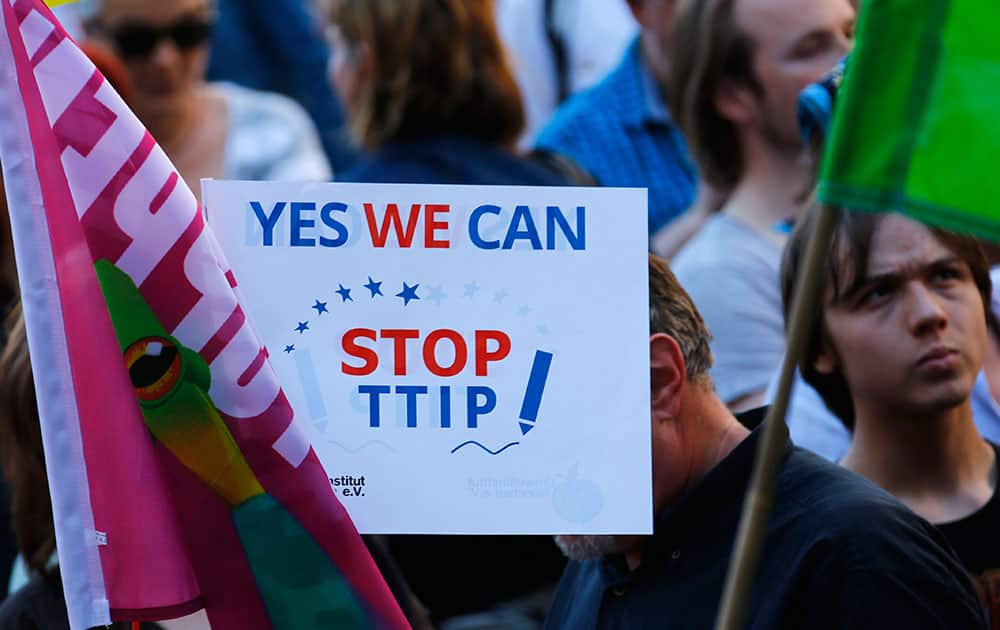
pixel 320 307
pixel 470 289
pixel 345 294
pixel 499 296
pixel 408 293
pixel 374 287
pixel 543 329
pixel 524 310
pixel 302 327
pixel 288 349
pixel 435 294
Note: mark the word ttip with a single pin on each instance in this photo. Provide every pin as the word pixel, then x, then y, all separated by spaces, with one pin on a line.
pixel 309 224
pixel 487 346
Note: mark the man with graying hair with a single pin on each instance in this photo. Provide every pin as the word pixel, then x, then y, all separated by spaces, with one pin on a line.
pixel 838 552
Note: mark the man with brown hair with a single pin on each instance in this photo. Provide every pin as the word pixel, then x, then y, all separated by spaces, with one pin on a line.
pixel 737 69
pixel 838 552
pixel 899 339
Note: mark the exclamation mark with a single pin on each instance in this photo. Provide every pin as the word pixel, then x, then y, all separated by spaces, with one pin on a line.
pixel 536 386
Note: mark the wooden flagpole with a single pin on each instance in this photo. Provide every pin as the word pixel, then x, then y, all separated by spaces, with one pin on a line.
pixel 760 495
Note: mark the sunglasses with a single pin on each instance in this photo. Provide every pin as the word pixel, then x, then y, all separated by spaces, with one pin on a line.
pixel 137 41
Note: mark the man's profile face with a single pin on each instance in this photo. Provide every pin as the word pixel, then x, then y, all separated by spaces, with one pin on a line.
pixel 795 43
pixel 910 338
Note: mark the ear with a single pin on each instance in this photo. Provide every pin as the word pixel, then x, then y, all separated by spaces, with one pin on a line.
pixel 826 361
pixel 668 376
pixel 637 13
pixel 736 102
pixel 364 61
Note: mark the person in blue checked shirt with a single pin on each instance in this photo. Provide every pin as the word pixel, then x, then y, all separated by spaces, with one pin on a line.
pixel 839 553
pixel 621 132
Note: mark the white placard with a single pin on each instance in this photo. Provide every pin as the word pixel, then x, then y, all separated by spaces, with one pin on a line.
pixel 465 359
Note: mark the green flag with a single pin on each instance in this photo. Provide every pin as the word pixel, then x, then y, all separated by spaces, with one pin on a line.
pixel 916 128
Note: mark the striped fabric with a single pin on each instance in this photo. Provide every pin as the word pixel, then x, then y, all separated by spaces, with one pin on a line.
pixel 178 476
pixel 620 131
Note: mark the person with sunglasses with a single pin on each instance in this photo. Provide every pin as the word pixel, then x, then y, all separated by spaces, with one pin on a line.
pixel 209 130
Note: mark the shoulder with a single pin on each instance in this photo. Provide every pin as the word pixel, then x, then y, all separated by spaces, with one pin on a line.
pixel 38 605
pixel 728 243
pixel 727 261
pixel 578 597
pixel 451 160
pixel 270 137
pixel 866 560
pixel 248 104
pixel 868 527
pixel 596 110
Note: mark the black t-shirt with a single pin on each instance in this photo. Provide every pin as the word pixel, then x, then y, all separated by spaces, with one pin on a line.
pixel 839 554
pixel 976 540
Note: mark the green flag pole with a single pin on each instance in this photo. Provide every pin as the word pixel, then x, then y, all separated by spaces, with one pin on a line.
pixel 760 495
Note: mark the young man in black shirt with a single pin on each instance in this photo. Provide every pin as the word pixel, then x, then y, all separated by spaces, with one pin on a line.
pixel 896 348
pixel 839 552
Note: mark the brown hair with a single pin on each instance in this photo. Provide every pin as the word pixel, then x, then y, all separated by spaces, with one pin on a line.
pixel 845 269
pixel 437 66
pixel 672 312
pixel 707 48
pixel 21 450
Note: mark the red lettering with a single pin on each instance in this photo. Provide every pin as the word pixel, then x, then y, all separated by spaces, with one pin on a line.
pixel 484 355
pixel 359 352
pixel 431 226
pixel 399 337
pixel 461 352
pixel 380 234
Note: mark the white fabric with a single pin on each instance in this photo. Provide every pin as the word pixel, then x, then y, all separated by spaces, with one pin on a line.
pixel 596 34
pixel 731 273
pixel 270 137
pixel 83 579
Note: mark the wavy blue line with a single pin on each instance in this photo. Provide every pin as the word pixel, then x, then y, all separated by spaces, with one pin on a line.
pixel 483 447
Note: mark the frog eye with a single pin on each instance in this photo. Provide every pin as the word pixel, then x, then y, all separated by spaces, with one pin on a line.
pixel 154 365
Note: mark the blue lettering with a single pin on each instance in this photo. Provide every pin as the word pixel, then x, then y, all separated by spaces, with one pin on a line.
pixel 522 214
pixel 411 391
pixel 299 222
pixel 475 409
pixel 326 216
pixel 474 236
pixel 374 394
pixel 445 407
pixel 267 222
pixel 553 216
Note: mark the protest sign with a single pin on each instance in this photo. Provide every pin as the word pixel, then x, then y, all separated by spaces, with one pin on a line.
pixel 467 359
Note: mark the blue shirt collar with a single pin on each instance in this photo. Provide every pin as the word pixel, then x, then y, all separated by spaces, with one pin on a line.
pixel 645 87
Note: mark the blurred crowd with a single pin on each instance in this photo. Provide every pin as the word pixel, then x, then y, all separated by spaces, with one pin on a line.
pixel 719 108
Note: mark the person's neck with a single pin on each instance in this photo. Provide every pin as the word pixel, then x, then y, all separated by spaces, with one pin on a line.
pixel 655 60
pixel 713 433
pixel 771 189
pixel 172 125
pixel 722 434
pixel 938 465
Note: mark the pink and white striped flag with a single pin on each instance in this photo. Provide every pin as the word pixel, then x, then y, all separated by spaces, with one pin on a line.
pixel 178 477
